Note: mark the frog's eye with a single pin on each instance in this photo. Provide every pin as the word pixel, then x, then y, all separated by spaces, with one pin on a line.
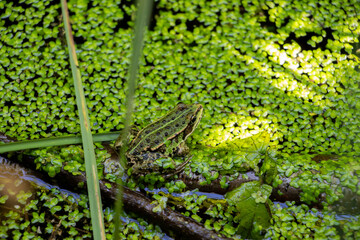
pixel 193 118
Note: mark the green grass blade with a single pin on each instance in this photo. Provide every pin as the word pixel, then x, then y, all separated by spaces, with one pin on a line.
pixel 97 218
pixel 55 141
pixel 141 21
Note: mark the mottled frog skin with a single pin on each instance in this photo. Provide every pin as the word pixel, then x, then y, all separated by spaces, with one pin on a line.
pixel 163 138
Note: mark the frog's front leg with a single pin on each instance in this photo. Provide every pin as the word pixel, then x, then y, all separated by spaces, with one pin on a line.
pixel 176 147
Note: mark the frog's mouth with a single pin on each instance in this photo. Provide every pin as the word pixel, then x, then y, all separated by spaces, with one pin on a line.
pixel 194 121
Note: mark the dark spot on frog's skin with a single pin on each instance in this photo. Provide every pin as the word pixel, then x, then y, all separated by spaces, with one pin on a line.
pixel 157 133
pixel 166 134
pixel 183 122
pixel 147 131
pixel 156 141
pixel 177 125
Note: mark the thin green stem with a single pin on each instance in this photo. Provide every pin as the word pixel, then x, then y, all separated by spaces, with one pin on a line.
pixel 141 21
pixel 55 141
pixel 97 218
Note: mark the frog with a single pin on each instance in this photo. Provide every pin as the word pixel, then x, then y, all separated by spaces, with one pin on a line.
pixel 163 139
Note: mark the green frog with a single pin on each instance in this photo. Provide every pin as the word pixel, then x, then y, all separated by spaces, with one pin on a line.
pixel 163 139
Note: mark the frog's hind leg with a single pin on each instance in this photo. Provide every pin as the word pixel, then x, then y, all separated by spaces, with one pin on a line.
pixel 178 168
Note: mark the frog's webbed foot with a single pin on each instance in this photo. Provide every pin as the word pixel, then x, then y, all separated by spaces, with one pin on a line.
pixel 178 168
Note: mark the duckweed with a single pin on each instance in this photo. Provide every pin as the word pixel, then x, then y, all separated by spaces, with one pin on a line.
pixel 291 52
pixel 301 222
pixel 283 67
pixel 61 215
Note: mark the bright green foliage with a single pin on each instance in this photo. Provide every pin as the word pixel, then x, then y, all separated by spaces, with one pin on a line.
pixel 177 186
pixel 352 228
pixel 255 144
pixel 70 158
pixel 286 67
pixel 251 201
pixel 329 177
pixel 254 150
pixel 160 203
pixel 237 155
pixel 300 222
